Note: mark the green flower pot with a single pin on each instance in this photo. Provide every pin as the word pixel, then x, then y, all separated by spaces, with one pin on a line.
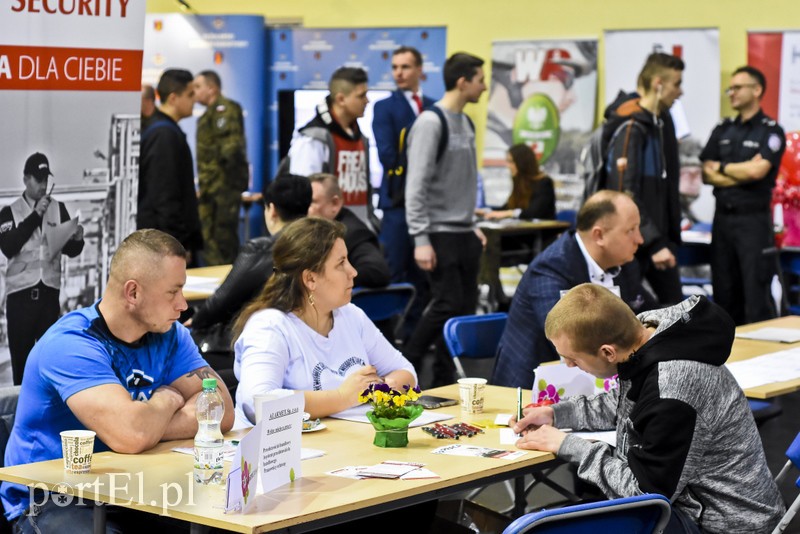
pixel 393 432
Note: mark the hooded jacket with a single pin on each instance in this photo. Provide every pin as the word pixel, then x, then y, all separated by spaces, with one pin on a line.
pixel 684 428
pixel 652 170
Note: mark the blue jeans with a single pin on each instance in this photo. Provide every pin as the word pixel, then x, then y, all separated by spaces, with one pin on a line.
pixel 53 518
pixel 50 518
pixel 679 523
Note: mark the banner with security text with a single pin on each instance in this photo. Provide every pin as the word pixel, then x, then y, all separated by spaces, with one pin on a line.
pixel 70 75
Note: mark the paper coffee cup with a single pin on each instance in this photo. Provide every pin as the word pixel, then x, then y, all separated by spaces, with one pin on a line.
pixel 471 392
pixel 77 447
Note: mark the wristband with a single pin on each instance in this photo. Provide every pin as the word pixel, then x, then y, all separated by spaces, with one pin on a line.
pixel 722 168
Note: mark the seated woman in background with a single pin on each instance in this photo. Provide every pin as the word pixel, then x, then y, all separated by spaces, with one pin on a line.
pixel 532 193
pixel 302 333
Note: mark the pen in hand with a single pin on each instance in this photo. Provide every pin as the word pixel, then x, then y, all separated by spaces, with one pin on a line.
pixel 519 406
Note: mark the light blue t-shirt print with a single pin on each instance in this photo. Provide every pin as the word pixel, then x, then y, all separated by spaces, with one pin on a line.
pixel 319 371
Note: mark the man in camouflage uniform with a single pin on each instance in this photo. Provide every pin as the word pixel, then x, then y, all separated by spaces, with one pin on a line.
pixel 222 168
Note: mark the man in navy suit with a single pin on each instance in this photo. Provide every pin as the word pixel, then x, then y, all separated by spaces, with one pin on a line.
pixel 390 116
pixel 600 251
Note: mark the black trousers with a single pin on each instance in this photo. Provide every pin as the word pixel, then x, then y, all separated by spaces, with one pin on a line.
pixel 29 313
pixel 666 283
pixel 740 271
pixel 454 291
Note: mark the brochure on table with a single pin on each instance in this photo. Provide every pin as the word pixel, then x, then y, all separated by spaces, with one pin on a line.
pixel 269 455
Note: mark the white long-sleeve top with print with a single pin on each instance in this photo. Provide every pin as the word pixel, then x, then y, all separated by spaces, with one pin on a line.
pixel 278 350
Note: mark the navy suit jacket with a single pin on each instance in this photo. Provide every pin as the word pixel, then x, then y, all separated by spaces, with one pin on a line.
pixel 391 115
pixel 560 266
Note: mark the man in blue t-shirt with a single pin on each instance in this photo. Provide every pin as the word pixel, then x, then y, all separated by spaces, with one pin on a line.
pixel 124 368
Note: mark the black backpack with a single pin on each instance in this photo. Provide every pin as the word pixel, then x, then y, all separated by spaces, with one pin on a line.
pixel 397 174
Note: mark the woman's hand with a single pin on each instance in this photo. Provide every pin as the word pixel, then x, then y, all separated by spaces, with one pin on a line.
pixel 497 215
pixel 357 382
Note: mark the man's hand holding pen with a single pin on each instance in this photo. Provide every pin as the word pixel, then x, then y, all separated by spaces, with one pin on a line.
pixel 537 430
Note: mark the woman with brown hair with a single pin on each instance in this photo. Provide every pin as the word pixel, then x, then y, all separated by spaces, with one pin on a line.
pixel 532 193
pixel 302 333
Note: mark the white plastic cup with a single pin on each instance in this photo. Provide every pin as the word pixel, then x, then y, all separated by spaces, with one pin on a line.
pixel 77 447
pixel 471 391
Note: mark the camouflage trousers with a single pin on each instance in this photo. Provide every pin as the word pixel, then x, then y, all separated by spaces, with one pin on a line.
pixel 219 217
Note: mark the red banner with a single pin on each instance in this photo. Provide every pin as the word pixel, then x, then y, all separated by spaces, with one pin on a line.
pixel 41 68
pixel 764 51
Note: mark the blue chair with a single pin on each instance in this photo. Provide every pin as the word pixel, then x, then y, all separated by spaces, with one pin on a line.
pixel 473 336
pixel 790 265
pixel 642 514
pixel 8 411
pixel 384 303
pixel 570 216
pixel 764 410
pixel 793 455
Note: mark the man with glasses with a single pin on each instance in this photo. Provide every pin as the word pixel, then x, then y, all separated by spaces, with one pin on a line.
pixel 741 160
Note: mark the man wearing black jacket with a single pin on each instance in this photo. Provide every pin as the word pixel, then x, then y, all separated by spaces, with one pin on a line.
pixel 644 160
pixel 167 197
pixel 363 249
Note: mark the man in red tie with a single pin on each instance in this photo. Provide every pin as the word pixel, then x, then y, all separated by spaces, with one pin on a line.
pixel 390 117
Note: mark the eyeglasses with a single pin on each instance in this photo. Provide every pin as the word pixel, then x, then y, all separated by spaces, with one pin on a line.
pixel 735 88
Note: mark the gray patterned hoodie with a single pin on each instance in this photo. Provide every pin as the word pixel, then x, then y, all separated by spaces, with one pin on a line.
pixel 684 427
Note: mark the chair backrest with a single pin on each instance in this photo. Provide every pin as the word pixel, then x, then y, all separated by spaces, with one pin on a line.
pixel 793 455
pixel 383 303
pixel 473 336
pixel 642 514
pixel 569 216
pixel 8 411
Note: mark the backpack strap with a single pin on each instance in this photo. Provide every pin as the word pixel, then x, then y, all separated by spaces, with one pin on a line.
pixel 622 162
pixel 444 135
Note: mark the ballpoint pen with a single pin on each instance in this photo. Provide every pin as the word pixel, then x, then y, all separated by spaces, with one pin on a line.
pixel 519 404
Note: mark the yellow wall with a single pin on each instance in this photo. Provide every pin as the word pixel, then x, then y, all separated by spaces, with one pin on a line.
pixel 473 25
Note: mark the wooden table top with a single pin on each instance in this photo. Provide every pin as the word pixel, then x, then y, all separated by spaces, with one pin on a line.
pixel 160 479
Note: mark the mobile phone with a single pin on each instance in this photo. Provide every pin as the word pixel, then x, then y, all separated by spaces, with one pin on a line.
pixel 432 402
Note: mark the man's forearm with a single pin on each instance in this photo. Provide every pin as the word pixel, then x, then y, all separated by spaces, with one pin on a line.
pixel 183 424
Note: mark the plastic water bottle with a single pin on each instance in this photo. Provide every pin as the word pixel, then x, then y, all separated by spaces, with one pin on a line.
pixel 208 442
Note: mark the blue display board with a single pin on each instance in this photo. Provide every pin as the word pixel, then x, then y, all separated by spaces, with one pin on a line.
pixel 233 46
pixel 305 58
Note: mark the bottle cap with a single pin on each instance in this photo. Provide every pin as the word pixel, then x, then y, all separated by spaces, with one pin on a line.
pixel 209 383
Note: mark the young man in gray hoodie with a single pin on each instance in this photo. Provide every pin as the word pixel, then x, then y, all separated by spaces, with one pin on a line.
pixel 684 427
pixel 440 202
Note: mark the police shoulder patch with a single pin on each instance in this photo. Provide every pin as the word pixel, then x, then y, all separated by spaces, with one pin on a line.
pixel 774 142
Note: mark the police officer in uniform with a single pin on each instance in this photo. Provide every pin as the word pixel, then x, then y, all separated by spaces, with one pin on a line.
pixel 222 167
pixel 33 275
pixel 741 160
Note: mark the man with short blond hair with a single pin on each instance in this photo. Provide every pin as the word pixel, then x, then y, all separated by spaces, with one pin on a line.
pixel 600 251
pixel 684 428
pixel 124 368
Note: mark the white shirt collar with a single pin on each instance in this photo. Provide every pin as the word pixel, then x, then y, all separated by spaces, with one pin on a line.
pixel 596 274
pixel 408 94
